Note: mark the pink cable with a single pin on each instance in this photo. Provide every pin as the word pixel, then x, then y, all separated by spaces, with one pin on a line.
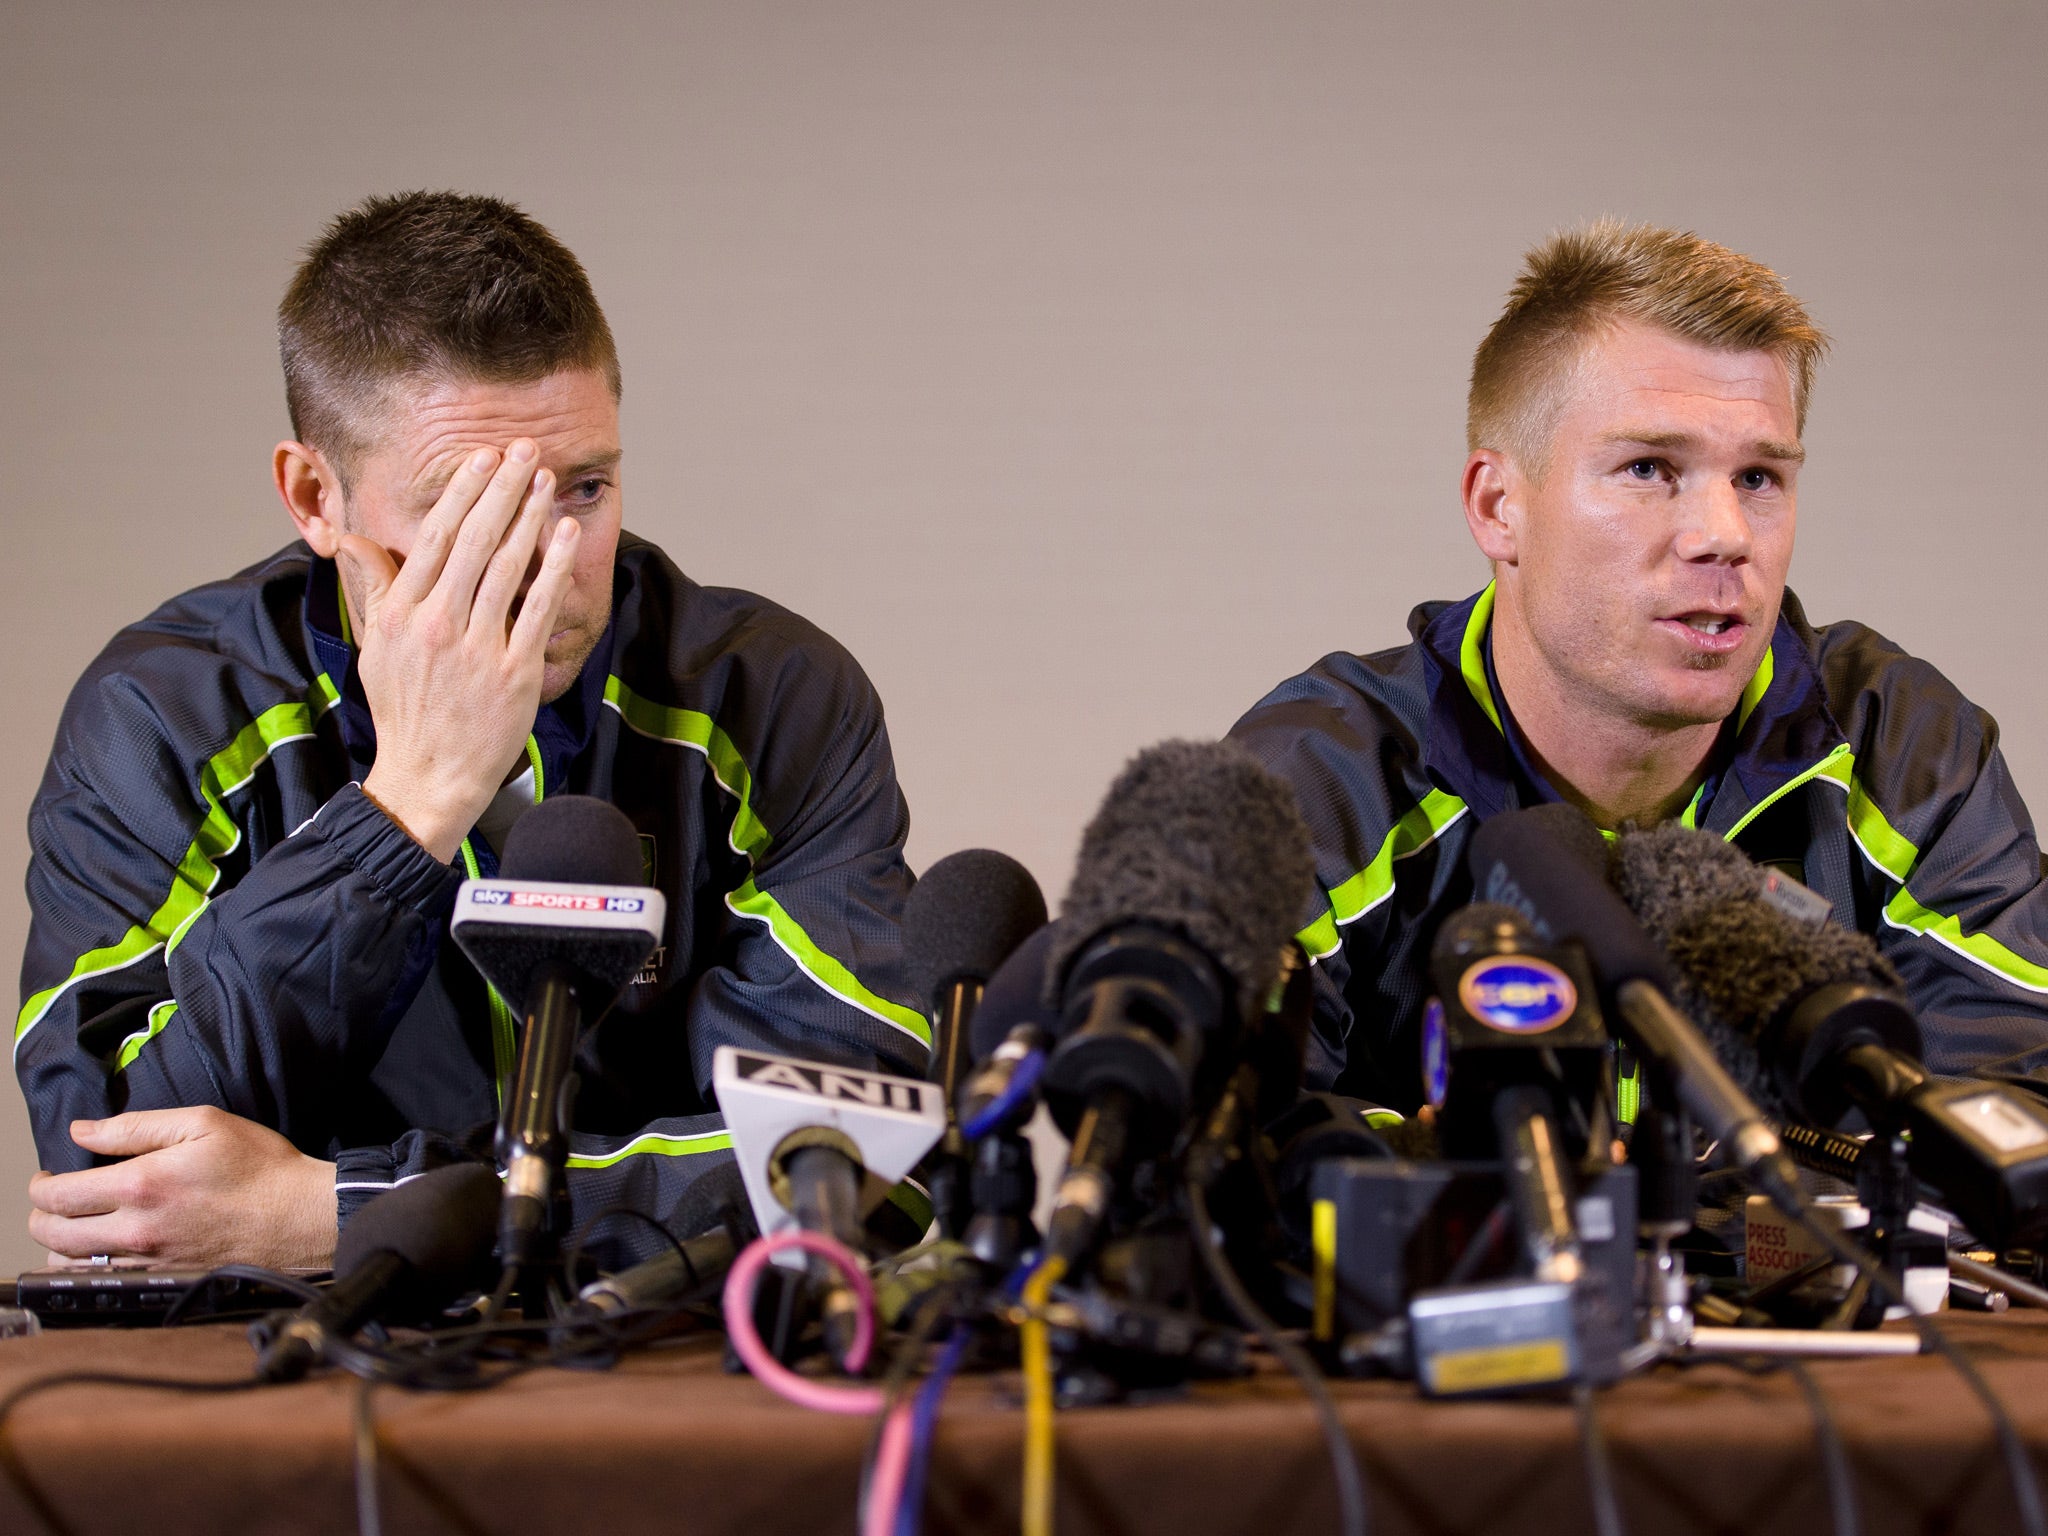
pixel 771 1372
pixel 892 1462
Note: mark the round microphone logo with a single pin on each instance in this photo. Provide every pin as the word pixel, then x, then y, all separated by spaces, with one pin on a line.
pixel 1518 995
pixel 1436 1055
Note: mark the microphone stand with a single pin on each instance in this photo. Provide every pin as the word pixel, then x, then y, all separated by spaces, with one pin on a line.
pixel 1662 1151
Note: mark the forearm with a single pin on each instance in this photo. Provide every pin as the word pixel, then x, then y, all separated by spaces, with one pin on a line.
pixel 283 991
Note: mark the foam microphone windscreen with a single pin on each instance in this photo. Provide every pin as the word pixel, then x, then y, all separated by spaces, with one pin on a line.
pixel 1740 961
pixel 574 838
pixel 1549 862
pixel 441 1224
pixel 966 915
pixel 1197 837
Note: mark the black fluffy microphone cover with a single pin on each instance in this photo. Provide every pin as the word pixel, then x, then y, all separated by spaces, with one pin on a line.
pixel 965 916
pixel 1199 837
pixel 1740 961
pixel 441 1224
pixel 578 839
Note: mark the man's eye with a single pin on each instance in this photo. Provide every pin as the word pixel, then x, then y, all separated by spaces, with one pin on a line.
pixel 1756 480
pixel 1644 469
pixel 587 491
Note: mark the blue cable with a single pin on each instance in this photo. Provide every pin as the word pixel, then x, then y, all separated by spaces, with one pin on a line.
pixel 923 1430
pixel 1023 1083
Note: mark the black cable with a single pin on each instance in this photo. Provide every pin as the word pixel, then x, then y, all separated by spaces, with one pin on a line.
pixel 1599 1470
pixel 572 1254
pixel 1481 1243
pixel 369 1516
pixel 1354 1517
pixel 2026 1491
pixel 290 1284
pixel 1834 1453
pixel 17 1474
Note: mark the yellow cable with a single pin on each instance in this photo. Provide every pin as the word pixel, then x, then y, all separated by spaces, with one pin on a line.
pixel 1038 1398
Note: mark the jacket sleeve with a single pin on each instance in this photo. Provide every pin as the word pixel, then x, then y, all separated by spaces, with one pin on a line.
pixel 146 985
pixel 1964 912
pixel 1319 739
pixel 658 1172
pixel 811 942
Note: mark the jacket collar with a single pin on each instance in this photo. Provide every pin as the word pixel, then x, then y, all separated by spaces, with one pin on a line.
pixel 1782 725
pixel 561 729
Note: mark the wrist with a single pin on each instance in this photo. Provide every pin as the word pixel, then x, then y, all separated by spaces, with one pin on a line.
pixel 428 819
pixel 314 1247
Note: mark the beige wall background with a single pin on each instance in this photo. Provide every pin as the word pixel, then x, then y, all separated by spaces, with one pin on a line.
pixel 1086 367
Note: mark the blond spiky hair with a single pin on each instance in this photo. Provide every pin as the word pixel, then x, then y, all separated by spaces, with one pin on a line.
pixel 1582 279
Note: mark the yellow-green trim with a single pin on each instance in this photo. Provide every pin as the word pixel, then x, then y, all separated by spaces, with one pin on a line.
pixel 1889 851
pixel 1894 855
pixel 198 871
pixel 1834 767
pixel 1628 1096
pixel 1374 883
pixel 131 1047
pixel 504 1031
pixel 1754 690
pixel 1472 656
pixel 698 731
pixel 539 773
pixel 1904 911
pixel 751 901
pixel 657 1146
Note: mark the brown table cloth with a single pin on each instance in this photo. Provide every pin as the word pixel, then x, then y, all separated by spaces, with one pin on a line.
pixel 668 1443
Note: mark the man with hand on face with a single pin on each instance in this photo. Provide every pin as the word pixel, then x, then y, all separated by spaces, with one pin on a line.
pixel 242 1013
pixel 1634 450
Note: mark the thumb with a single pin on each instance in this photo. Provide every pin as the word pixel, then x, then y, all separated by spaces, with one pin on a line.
pixel 372 567
pixel 140 1130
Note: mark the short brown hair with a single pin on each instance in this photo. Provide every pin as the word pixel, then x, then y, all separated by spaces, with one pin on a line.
pixel 1582 279
pixel 429 285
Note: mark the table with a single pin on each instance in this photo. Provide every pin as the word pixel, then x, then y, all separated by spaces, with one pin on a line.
pixel 668 1443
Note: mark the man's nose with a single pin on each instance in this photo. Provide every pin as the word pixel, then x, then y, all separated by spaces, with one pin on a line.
pixel 1714 524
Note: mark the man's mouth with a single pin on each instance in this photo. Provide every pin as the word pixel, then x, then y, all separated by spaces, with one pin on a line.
pixel 1707 630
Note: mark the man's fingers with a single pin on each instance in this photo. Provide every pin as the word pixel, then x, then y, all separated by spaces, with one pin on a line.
pixel 88 1192
pixel 483 530
pixel 436 534
pixel 543 603
pixel 373 569
pixel 509 565
pixel 83 1237
pixel 141 1130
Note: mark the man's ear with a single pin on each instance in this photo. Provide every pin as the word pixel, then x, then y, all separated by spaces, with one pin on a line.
pixel 311 493
pixel 1493 490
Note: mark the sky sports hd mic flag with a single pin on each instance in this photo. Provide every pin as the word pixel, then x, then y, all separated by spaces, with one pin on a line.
pixel 559 934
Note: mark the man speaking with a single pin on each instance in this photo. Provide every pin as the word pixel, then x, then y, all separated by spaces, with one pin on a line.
pixel 1634 451
pixel 242 1014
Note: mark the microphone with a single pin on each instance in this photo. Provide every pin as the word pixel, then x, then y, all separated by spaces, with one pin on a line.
pixel 559 934
pixel 964 918
pixel 1188 886
pixel 1549 862
pixel 1524 1048
pixel 714 1208
pixel 969 913
pixel 405 1255
pixel 1814 1016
